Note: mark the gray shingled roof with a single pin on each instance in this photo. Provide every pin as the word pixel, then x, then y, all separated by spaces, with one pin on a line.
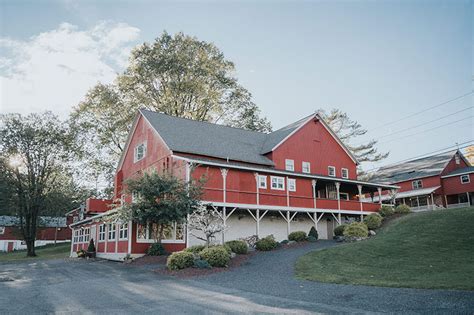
pixel 6 220
pixel 203 138
pixel 469 169
pixel 423 167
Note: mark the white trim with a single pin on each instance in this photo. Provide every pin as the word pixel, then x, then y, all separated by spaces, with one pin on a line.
pixel 303 167
pixel 342 172
pixel 278 178
pixel 290 165
pixel 468 179
pixel 135 151
pixel 121 229
pixel 284 208
pixel 465 173
pixel 262 179
pixel 281 172
pixel 104 233
pixel 150 241
pixel 333 168
pixel 419 184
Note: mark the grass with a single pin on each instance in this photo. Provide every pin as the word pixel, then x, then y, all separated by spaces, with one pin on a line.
pixel 61 250
pixel 433 250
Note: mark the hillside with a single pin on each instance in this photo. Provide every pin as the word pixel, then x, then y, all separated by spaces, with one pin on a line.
pixel 422 250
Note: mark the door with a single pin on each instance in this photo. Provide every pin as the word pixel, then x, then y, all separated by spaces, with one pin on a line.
pixel 10 246
pixel 330 229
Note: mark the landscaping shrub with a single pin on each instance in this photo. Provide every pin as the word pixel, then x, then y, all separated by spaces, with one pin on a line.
pixel 267 243
pixel 216 256
pixel 238 247
pixel 386 211
pixel 156 249
pixel 227 248
pixel 311 239
pixel 196 249
pixel 180 260
pixel 201 264
pixel 373 221
pixel 313 232
pixel 297 236
pixel 284 242
pixel 402 209
pixel 339 230
pixel 356 229
pixel 81 253
pixel 91 247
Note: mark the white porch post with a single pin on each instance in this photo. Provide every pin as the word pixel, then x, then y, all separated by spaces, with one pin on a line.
pixel 338 185
pixel 258 223
pixel 130 235
pixel 359 187
pixel 468 199
pixel 287 193
pixel 288 225
pixel 313 183
pixel 446 201
pixel 224 220
pixel 73 232
pixel 432 201
pixel 258 188
pixel 380 194
pixel 224 183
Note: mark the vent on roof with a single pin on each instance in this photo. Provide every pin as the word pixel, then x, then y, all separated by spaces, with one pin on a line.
pixel 411 172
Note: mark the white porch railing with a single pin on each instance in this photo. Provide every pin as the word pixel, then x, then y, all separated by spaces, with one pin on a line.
pixel 458 205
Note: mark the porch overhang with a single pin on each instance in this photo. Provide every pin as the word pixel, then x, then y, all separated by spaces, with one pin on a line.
pixel 407 194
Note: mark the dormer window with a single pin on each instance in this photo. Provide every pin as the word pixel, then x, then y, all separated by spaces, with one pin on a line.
pixel 140 152
pixel 417 184
pixel 289 165
pixel 332 171
pixel 306 167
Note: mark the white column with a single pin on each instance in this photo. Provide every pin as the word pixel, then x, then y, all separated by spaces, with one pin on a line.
pixel 380 194
pixel 338 185
pixel 72 241
pixel 258 223
pixel 288 226
pixel 224 183
pixel 313 183
pixel 130 231
pixel 258 188
pixel 468 199
pixel 359 187
pixel 116 237
pixel 224 219
pixel 287 193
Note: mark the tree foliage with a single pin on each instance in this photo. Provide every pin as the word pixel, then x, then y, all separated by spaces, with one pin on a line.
pixel 177 75
pixel 206 221
pixel 159 198
pixel 347 130
pixel 34 153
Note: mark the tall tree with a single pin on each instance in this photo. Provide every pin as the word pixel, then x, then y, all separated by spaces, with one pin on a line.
pixel 35 150
pixel 177 75
pixel 347 130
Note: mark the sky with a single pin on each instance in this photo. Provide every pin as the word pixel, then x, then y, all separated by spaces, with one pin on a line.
pixel 388 64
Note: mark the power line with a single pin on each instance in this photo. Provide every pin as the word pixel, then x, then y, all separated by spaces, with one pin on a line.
pixel 446 149
pixel 423 124
pixel 417 133
pixel 424 110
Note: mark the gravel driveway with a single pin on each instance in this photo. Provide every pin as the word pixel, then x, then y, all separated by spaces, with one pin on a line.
pixel 263 285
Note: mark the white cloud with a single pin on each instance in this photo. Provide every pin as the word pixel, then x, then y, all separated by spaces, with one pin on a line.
pixel 53 70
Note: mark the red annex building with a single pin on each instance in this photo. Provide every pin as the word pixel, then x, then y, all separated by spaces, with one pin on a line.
pixel 291 179
pixel 444 180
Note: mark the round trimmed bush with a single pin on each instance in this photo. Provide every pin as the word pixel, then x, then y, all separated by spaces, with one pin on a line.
pixel 339 230
pixel 373 221
pixel 216 256
pixel 386 211
pixel 297 236
pixel 156 249
pixel 196 249
pixel 402 209
pixel 180 260
pixel 356 229
pixel 313 233
pixel 238 247
pixel 266 243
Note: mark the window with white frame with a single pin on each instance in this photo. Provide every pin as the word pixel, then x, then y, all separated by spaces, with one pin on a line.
pixel 140 152
pixel 135 196
pixel 262 181
pixel 291 184
pixel 289 165
pixel 170 233
pixel 417 184
pixel 278 183
pixel 102 232
pixel 87 234
pixel 332 171
pixel 123 231
pixel 81 235
pixel 2 230
pixel 111 232
pixel 344 173
pixel 306 167
pixel 464 179
pixel 344 196
pixel 75 236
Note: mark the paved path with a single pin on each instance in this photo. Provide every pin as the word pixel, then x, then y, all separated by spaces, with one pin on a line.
pixel 264 285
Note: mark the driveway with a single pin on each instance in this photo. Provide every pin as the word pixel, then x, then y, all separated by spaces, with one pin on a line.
pixel 265 284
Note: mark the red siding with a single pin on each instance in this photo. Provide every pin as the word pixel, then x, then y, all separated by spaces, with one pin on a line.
pixel 314 144
pixel 453 185
pixel 431 181
pixel 45 234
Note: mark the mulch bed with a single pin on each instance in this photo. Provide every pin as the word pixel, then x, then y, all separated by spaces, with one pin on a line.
pixel 150 260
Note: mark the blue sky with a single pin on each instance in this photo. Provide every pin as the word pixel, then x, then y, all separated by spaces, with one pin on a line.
pixel 378 61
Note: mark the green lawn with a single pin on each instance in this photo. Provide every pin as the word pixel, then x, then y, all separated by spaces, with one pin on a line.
pixel 44 252
pixel 423 250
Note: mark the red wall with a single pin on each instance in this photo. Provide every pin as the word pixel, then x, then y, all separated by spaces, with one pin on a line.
pixel 431 181
pixel 453 185
pixel 314 144
pixel 14 233
pixel 452 166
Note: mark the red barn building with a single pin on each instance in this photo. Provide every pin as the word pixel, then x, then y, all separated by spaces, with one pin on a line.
pixel 443 180
pixel 294 178
pixel 50 229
